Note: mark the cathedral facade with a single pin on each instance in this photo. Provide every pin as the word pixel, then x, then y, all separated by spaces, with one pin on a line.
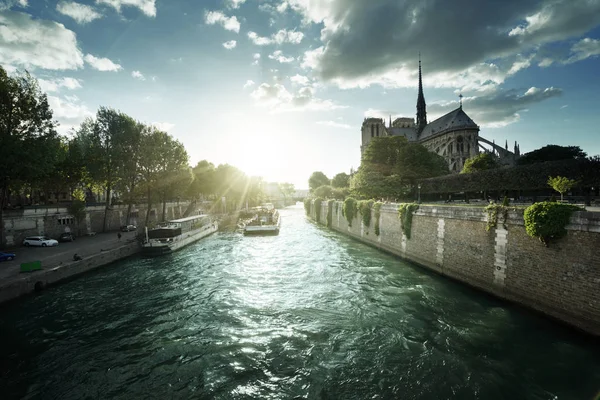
pixel 454 136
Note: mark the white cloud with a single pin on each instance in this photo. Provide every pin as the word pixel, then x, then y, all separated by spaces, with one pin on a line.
pixel 69 111
pixel 249 83
pixel 8 4
pixel 335 124
pixel 217 17
pixel 138 75
pixel 278 56
pixel 102 64
pixel 54 85
pixel 258 40
pixel 148 7
pixel 164 126
pixel 36 43
pixel 583 49
pixel 300 80
pixel 230 44
pixel 235 3
pixel 279 99
pixel 280 37
pixel 256 58
pixel 79 12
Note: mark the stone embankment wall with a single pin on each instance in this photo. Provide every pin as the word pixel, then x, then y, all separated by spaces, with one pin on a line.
pixel 52 221
pixel 38 280
pixel 561 281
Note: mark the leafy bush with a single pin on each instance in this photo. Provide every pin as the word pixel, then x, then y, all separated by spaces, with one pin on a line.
pixel 405 213
pixel 377 211
pixel 350 209
pixel 317 204
pixel 364 207
pixel 307 204
pixel 547 220
pixel 330 212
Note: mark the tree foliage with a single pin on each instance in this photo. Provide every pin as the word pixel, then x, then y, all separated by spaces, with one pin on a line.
pixel 481 162
pixel 29 145
pixel 317 179
pixel 391 166
pixel 547 220
pixel 561 184
pixel 341 180
pixel 552 152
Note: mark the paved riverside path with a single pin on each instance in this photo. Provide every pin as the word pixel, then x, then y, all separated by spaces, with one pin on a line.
pixel 50 257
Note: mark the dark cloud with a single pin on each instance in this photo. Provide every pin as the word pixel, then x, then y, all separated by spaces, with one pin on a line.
pixel 363 38
pixel 499 109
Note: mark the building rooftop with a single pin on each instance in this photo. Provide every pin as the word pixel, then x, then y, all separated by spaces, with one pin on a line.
pixel 454 120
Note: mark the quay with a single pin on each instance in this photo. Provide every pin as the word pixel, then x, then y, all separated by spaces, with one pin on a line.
pixel 57 262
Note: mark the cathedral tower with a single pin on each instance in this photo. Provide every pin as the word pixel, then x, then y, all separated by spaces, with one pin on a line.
pixel 421 108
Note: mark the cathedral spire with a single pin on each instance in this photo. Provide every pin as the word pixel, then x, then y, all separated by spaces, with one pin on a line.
pixel 421 107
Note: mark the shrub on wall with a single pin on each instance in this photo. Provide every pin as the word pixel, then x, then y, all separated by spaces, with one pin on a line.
pixel 364 207
pixel 405 213
pixel 317 203
pixel 493 211
pixel 547 220
pixel 377 211
pixel 307 204
pixel 349 209
pixel 330 212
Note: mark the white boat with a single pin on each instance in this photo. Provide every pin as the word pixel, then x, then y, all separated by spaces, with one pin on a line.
pixel 266 221
pixel 173 235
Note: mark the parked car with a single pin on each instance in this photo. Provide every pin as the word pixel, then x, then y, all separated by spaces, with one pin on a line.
pixel 6 256
pixel 66 237
pixel 128 228
pixel 42 241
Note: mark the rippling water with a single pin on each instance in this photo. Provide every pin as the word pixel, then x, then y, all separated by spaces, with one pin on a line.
pixel 306 314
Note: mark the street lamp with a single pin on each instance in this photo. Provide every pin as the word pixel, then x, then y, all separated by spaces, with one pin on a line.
pixel 419 193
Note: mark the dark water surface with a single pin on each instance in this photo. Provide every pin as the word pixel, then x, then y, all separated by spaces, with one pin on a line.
pixel 306 314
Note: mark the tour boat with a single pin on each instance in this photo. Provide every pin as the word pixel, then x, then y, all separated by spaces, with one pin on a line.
pixel 173 235
pixel 266 221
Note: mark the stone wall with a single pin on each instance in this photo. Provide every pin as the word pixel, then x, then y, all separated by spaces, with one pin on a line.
pixel 561 281
pixel 19 224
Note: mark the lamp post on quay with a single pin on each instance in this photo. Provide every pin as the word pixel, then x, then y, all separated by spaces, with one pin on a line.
pixel 419 193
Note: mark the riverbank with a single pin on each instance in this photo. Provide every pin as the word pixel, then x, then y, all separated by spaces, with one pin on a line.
pixel 58 265
pixel 562 281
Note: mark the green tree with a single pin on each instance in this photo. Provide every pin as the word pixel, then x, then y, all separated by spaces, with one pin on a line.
pixel 391 166
pixel 203 184
pixel 341 180
pixel 317 179
pixel 28 138
pixel 479 162
pixel 324 191
pixel 552 152
pixel 561 184
pixel 127 146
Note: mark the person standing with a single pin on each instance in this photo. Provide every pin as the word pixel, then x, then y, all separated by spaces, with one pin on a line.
pixel 119 235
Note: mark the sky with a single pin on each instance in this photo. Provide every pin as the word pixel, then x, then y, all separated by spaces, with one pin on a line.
pixel 279 88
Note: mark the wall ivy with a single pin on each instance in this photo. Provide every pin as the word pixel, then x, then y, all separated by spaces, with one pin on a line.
pixel 405 213
pixel 493 212
pixel 317 204
pixel 349 209
pixel 364 207
pixel 330 212
pixel 377 211
pixel 307 204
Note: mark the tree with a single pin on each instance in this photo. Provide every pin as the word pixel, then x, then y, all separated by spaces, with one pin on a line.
pixel 341 180
pixel 480 162
pixel 28 137
pixel 552 152
pixel 317 179
pixel 287 190
pixel 203 184
pixel 561 184
pixel 391 166
pixel 324 191
pixel 127 146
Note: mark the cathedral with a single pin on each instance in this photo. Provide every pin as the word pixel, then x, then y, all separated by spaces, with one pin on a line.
pixel 454 136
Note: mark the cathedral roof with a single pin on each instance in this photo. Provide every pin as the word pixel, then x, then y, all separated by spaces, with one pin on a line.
pixel 409 133
pixel 454 120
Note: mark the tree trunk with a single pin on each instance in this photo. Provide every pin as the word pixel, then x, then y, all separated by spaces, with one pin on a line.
pixel 2 197
pixel 148 210
pixel 129 206
pixel 164 206
pixel 107 206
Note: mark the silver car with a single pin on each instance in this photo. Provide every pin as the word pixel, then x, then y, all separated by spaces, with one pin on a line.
pixel 42 241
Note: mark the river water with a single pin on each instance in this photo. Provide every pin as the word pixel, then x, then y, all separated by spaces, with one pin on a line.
pixel 306 314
